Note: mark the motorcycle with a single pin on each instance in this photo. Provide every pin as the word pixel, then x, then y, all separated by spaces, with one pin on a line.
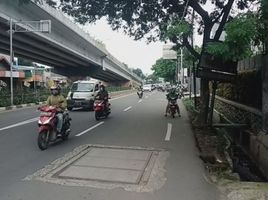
pixel 172 106
pixel 47 123
pixel 101 110
pixel 140 94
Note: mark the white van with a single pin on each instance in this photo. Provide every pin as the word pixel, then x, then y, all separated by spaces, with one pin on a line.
pixel 147 87
pixel 81 94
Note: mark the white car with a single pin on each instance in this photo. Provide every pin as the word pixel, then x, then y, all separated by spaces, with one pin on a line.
pixel 147 88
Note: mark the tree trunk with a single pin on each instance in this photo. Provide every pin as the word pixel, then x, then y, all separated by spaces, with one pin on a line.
pixel 194 78
pixel 212 102
pixel 202 118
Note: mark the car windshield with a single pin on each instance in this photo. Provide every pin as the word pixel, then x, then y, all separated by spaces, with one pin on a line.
pixel 82 87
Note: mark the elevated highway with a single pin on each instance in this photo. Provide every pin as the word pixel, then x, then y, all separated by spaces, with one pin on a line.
pixel 68 49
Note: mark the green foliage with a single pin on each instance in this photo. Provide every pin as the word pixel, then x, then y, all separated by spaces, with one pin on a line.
pixel 165 69
pixel 139 73
pixel 27 95
pixel 23 96
pixel 189 59
pixel 177 30
pixel 152 78
pixel 116 89
pixel 238 42
pixel 139 18
pixel 262 37
pixel 189 104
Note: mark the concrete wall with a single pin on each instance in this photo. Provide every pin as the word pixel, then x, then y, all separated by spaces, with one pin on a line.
pixel 259 151
pixel 265 93
pixel 258 140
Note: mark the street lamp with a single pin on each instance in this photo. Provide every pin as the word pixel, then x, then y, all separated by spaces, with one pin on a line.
pixel 43 26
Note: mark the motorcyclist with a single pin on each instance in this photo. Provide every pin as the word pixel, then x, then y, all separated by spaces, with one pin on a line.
pixel 140 89
pixel 103 95
pixel 59 101
pixel 172 94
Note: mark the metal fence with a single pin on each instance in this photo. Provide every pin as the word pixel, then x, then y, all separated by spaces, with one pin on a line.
pixel 239 113
pixel 253 63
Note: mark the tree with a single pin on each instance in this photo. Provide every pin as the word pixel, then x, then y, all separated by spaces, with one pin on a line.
pixel 152 19
pixel 238 42
pixel 139 73
pixel 263 25
pixel 151 78
pixel 188 58
pixel 165 69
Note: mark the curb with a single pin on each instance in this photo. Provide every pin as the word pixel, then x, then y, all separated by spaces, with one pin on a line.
pixel 118 93
pixel 20 106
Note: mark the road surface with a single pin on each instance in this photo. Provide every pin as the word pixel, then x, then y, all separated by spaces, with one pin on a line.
pixel 133 122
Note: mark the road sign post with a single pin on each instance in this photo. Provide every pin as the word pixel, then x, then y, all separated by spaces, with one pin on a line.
pixel 43 26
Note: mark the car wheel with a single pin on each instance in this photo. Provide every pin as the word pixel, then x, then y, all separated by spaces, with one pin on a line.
pixel 70 108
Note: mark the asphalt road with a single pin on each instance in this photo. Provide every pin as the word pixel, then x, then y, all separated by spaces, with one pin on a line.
pixel 132 123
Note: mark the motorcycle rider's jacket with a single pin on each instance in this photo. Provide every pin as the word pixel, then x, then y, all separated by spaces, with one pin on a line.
pixel 102 95
pixel 59 101
pixel 171 95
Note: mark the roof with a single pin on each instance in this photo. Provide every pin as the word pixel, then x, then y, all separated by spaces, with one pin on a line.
pixel 5 61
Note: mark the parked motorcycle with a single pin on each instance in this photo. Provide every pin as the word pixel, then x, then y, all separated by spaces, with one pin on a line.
pixel 47 126
pixel 172 106
pixel 140 94
pixel 102 109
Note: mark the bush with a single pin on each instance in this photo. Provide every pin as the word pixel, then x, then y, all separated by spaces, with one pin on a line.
pixel 23 96
pixel 27 95
pixel 189 104
pixel 115 89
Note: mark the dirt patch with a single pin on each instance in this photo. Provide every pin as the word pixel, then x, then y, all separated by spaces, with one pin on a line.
pixel 210 147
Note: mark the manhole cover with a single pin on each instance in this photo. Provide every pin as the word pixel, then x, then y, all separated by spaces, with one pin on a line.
pixel 106 166
pixel 109 164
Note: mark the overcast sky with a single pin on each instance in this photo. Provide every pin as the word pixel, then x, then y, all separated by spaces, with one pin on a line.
pixel 136 54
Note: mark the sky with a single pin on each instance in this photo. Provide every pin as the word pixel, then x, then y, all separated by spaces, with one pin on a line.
pixel 136 54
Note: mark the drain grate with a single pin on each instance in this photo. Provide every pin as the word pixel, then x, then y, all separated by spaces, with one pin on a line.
pixel 132 168
pixel 108 165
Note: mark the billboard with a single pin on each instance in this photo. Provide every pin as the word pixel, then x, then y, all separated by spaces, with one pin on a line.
pixel 168 53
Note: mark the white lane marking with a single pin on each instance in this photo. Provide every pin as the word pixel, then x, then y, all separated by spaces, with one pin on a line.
pixel 20 123
pixel 121 97
pixel 128 108
pixel 17 109
pixel 140 101
pixel 89 129
pixel 169 129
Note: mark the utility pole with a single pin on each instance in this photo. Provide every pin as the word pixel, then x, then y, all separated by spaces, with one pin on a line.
pixel 34 76
pixel 11 60
pixel 194 70
pixel 181 67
